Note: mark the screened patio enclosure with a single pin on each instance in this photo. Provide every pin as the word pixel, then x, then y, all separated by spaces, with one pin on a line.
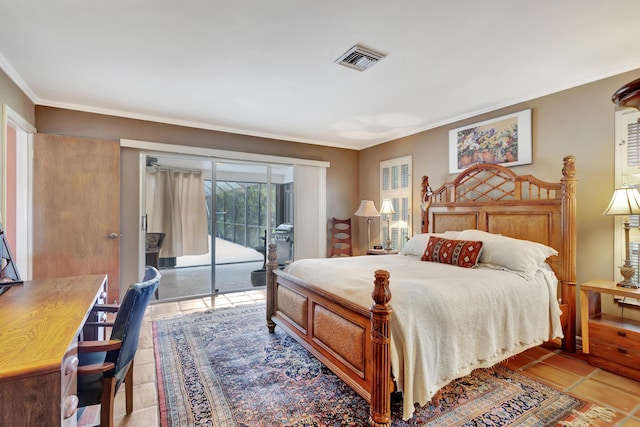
pixel 234 211
pixel 242 207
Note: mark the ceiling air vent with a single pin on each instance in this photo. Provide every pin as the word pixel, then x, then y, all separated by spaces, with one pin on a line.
pixel 359 58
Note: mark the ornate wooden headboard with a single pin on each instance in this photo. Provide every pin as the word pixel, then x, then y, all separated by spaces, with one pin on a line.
pixel 493 198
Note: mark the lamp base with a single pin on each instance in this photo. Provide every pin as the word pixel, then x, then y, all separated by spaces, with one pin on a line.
pixel 627 272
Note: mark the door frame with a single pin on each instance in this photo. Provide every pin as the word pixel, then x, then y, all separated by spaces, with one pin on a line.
pixel 149 148
pixel 228 170
pixel 23 248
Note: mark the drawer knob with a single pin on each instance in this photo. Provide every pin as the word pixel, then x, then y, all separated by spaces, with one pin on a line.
pixel 71 365
pixel 622 334
pixel 70 406
pixel 622 350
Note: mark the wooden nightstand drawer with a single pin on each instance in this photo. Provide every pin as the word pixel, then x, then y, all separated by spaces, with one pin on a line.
pixel 615 353
pixel 615 344
pixel 614 334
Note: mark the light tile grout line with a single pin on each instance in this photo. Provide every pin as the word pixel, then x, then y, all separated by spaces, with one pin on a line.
pixel 628 416
pixel 592 375
pixel 582 379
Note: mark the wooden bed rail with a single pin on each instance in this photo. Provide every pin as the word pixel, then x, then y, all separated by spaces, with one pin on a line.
pixel 376 383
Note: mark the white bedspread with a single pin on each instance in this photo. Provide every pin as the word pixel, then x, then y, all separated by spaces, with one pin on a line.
pixel 447 320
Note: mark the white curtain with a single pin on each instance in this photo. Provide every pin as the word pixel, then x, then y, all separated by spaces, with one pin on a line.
pixel 310 211
pixel 176 206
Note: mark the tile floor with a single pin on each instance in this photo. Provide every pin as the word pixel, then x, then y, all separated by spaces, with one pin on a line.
pixel 567 372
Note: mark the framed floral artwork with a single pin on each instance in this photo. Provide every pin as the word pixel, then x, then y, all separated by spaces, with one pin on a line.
pixel 505 141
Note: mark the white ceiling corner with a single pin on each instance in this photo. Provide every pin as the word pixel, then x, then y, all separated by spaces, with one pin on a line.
pixel 268 68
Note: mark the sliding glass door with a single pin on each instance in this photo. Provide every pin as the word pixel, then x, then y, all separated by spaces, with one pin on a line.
pixel 234 208
pixel 178 224
pixel 242 211
pixel 253 206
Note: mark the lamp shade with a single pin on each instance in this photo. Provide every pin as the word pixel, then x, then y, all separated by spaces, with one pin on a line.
pixel 625 201
pixel 387 207
pixel 367 208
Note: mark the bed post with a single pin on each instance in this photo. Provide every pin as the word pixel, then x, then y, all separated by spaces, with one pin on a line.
pixel 272 265
pixel 425 203
pixel 380 405
pixel 568 281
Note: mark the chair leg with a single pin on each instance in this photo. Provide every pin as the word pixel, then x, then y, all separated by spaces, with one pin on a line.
pixel 106 408
pixel 128 388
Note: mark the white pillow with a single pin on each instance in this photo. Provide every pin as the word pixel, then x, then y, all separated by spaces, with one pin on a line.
pixel 510 253
pixel 418 243
pixel 451 234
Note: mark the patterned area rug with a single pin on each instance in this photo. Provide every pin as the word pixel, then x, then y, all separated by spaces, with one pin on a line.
pixel 223 368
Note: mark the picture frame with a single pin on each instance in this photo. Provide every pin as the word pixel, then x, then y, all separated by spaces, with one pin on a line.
pixel 504 140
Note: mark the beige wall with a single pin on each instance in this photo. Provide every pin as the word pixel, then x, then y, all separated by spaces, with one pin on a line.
pixel 342 175
pixel 11 95
pixel 578 121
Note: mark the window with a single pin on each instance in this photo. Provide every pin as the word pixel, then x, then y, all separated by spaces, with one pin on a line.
pixel 395 185
pixel 627 172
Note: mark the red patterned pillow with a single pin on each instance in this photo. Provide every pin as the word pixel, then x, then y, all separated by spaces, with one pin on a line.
pixel 463 253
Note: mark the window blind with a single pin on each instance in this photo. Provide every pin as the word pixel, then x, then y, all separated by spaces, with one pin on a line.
pixel 395 185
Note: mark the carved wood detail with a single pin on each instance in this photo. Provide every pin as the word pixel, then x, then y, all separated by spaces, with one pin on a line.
pixel 380 405
pixel 272 286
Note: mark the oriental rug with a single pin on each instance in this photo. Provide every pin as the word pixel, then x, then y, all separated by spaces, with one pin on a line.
pixel 223 369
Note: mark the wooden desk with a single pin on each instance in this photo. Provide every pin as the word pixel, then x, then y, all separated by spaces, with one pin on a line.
pixel 39 326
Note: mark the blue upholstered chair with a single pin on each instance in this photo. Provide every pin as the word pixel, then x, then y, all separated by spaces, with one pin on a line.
pixel 104 365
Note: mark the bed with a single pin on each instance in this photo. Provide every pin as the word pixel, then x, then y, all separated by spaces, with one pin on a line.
pixel 378 345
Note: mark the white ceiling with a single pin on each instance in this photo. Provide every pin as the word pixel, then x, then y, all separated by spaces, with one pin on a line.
pixel 266 67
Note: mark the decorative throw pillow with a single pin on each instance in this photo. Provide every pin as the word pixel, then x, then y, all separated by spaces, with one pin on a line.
pixel 463 253
pixel 418 243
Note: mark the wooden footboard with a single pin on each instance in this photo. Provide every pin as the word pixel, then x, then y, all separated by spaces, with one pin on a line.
pixel 350 340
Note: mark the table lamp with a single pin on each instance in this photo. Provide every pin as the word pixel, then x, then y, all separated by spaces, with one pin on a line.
pixel 625 201
pixel 368 210
pixel 387 209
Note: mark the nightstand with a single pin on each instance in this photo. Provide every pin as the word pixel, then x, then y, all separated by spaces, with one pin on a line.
pixel 382 252
pixel 611 341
